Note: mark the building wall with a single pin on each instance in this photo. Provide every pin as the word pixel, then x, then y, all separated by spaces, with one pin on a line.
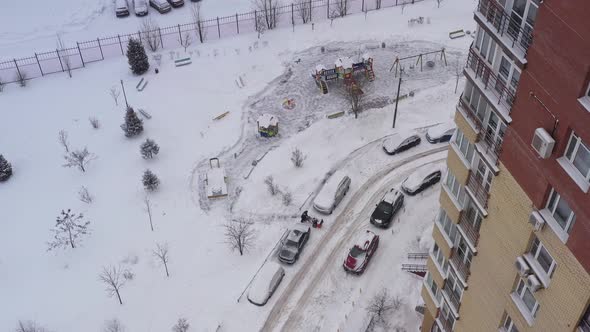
pixel 558 72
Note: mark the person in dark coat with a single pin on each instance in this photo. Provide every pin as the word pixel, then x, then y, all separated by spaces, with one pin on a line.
pixel 304 216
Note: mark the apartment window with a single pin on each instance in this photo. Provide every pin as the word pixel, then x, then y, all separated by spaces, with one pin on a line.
pixel 431 285
pixel 526 301
pixel 542 257
pixel 509 325
pixel 578 154
pixel 440 259
pixel 466 148
pixel 448 227
pixel 560 211
pixel 447 316
pixel 477 102
pixel 457 191
pixel 486 45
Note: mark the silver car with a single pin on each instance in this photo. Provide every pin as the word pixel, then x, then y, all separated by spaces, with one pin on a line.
pixel 332 193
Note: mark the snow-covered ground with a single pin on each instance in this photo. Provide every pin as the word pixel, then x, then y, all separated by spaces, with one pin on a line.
pixel 60 289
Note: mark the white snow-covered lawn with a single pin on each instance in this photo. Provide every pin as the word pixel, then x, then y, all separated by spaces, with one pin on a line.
pixel 60 289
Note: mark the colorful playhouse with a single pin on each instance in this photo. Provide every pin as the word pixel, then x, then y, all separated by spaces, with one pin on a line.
pixel 344 69
pixel 268 125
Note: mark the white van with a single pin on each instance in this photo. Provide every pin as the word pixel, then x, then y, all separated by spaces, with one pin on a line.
pixel 265 283
pixel 121 8
pixel 332 193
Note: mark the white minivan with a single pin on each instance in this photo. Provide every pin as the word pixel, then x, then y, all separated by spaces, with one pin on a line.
pixel 332 193
pixel 265 283
pixel 121 8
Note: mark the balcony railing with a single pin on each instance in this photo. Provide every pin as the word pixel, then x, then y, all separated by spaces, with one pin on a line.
pixel 467 227
pixel 446 324
pixel 492 146
pixel 453 298
pixel 469 112
pixel 475 185
pixel 502 95
pixel 460 266
pixel 506 26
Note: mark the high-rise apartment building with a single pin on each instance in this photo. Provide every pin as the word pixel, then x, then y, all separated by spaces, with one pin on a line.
pixel 512 239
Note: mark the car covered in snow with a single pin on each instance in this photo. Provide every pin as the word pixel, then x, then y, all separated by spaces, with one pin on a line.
pixel 332 193
pixel 140 7
pixel 361 252
pixel 176 3
pixel 440 133
pixel 421 179
pixel 293 244
pixel 265 283
pixel 162 6
pixel 384 212
pixel 399 143
pixel 121 8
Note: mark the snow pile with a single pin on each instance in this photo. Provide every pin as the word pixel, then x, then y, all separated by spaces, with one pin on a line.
pixel 268 120
pixel 344 62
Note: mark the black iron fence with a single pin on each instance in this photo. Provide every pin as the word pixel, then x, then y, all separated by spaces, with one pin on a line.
pixel 83 53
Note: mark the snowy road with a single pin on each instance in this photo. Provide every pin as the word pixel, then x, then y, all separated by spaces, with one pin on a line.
pixel 294 299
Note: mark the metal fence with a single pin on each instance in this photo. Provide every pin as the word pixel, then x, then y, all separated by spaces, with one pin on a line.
pixel 61 60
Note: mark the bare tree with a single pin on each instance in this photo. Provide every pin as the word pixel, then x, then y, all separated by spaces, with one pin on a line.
pixel 403 6
pixel 84 195
pixel 273 188
pixel 341 8
pixel 259 24
pixel 239 235
pixel 380 307
pixel 150 34
pixel 161 253
pixel 268 11
pixel 21 78
pixel 304 10
pixel 62 53
pixel 148 209
pixel 438 3
pixel 186 41
pixel 113 325
pixel 355 94
pixel 79 159
pixel 378 4
pixel 1 85
pixel 62 138
pixel 181 325
pixel 69 227
pixel 197 17
pixel 297 157
pixel 112 277
pixel 287 197
pixel 458 71
pixel 94 122
pixel 29 326
pixel 115 93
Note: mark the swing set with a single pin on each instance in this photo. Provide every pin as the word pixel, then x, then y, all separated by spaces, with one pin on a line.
pixel 419 60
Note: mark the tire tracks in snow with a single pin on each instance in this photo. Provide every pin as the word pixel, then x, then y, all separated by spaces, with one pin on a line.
pixel 280 305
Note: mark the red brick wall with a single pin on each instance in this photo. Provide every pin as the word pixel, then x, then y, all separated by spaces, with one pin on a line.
pixel 558 72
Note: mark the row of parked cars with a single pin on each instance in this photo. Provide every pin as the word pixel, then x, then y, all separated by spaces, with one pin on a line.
pixel 332 193
pixel 140 7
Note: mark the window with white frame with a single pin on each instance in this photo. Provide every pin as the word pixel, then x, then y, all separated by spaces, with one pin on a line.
pixel 455 188
pixel 526 297
pixel 560 211
pixel 440 259
pixel 454 285
pixel 578 154
pixel 446 315
pixel 486 45
pixel 509 325
pixel 433 287
pixel 467 148
pixel 542 256
pixel 448 227
pixel 474 98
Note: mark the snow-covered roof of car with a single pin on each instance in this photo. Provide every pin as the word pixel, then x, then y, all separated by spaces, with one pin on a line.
pixel 391 143
pixel 296 231
pixel 391 196
pixel 364 239
pixel 325 197
pixel 260 288
pixel 415 179
pixel 216 185
pixel 267 120
pixel 440 129
pixel 344 62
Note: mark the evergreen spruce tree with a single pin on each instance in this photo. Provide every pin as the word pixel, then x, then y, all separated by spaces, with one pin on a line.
pixel 149 148
pixel 138 60
pixel 133 125
pixel 5 169
pixel 150 180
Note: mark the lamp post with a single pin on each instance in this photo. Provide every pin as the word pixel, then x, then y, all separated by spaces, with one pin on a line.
pixel 124 94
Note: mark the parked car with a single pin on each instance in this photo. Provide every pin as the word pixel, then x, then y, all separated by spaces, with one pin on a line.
pixel 421 179
pixel 121 8
pixel 265 283
pixel 162 6
pixel 384 212
pixel 176 3
pixel 440 133
pixel 294 243
pixel 400 143
pixel 332 193
pixel 360 254
pixel 140 7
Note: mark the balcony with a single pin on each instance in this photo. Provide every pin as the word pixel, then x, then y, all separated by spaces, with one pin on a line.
pixel 453 298
pixel 444 323
pixel 469 112
pixel 490 146
pixel 492 87
pixel 468 230
pixel 479 192
pixel 460 266
pixel 506 30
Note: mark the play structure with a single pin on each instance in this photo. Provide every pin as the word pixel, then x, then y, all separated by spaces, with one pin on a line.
pixel 289 104
pixel 268 125
pixel 344 69
pixel 419 60
pixel 215 180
